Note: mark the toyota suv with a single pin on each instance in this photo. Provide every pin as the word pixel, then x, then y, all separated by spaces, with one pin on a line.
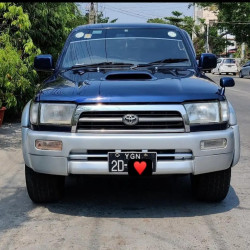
pixel 129 100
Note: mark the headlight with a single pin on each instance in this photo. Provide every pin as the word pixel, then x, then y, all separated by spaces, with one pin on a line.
pixel 51 113
pixel 60 114
pixel 204 113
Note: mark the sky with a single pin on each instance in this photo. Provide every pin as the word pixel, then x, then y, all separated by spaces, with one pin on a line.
pixel 139 12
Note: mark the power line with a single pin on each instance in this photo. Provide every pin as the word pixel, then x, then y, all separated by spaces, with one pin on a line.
pixel 130 13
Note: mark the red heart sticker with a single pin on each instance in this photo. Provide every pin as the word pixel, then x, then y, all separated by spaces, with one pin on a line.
pixel 140 167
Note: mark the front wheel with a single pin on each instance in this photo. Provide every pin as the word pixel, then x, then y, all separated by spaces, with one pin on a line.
pixel 44 187
pixel 240 75
pixel 212 187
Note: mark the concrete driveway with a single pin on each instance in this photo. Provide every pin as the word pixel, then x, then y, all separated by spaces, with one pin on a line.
pixel 121 213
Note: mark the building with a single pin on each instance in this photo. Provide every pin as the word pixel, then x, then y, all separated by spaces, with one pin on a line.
pixel 210 16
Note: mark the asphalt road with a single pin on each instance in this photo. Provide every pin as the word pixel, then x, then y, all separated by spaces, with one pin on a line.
pixel 117 213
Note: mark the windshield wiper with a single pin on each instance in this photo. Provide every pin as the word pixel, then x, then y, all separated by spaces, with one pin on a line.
pixel 161 62
pixel 94 66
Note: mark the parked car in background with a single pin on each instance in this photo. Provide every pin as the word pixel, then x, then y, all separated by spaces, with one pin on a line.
pixel 245 70
pixel 225 65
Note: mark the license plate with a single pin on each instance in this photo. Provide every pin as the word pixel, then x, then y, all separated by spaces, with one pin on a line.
pixel 132 162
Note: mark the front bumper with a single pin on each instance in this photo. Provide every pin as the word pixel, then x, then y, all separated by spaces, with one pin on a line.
pixel 63 162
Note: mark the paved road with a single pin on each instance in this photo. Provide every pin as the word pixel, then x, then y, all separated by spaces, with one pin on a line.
pixel 119 214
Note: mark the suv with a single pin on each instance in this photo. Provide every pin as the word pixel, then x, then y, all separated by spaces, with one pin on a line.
pixel 129 100
pixel 226 65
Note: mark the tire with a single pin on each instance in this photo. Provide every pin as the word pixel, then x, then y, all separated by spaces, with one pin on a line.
pixel 44 187
pixel 240 75
pixel 234 74
pixel 211 187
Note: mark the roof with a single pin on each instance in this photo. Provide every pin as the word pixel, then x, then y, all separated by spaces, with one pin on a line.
pixel 125 25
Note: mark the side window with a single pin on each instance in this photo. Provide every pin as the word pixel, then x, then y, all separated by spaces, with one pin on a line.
pixel 218 61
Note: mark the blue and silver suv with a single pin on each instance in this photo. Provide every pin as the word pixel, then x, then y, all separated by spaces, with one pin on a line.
pixel 129 100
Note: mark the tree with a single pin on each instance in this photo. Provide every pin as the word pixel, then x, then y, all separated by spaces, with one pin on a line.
pixel 17 52
pixel 187 23
pixel 51 23
pixel 197 31
pixel 184 22
pixel 234 18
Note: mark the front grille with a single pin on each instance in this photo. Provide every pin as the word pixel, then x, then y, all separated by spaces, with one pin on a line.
pixel 162 155
pixel 148 121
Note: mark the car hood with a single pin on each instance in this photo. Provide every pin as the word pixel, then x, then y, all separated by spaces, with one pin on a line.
pixel 168 89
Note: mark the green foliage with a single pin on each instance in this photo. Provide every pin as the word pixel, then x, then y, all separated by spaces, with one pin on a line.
pixel 233 17
pixel 217 43
pixel 51 24
pixel 26 30
pixel 16 74
pixel 183 22
pixel 187 23
pixel 17 52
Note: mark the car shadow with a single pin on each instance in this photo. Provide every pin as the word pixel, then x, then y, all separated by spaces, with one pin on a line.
pixel 124 197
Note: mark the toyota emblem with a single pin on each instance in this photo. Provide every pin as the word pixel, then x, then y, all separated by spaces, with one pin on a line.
pixel 130 119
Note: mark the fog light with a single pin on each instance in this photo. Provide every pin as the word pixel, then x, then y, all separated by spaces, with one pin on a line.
pixel 49 145
pixel 214 144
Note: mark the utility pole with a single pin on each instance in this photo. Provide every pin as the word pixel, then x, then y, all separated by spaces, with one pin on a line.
pixel 207 45
pixel 96 13
pixel 92 13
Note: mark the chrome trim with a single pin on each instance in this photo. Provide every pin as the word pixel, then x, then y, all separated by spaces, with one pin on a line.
pixel 85 156
pixel 129 131
pixel 181 156
pixel 141 119
pixel 102 107
pixel 160 119
pixel 102 119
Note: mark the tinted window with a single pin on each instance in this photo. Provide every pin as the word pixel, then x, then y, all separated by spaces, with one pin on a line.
pixel 229 61
pixel 128 45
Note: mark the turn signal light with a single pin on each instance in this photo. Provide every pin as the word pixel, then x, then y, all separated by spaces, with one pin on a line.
pixel 214 144
pixel 49 145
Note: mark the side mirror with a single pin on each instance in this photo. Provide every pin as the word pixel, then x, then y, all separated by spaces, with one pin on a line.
pixel 44 63
pixel 207 61
pixel 227 82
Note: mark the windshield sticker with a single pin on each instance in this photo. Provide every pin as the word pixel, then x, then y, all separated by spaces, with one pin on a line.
pixel 172 34
pixel 97 32
pixel 88 36
pixel 79 35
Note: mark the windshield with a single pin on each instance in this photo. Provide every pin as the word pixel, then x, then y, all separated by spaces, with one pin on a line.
pixel 128 45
